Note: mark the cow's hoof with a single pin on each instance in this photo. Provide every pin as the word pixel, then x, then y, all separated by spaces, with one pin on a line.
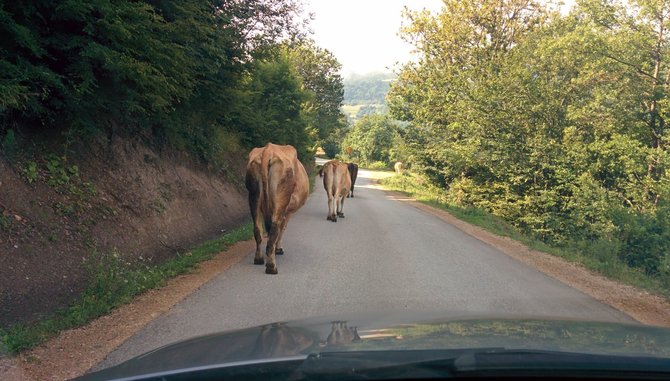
pixel 329 218
pixel 259 261
pixel 271 270
pixel 341 215
pixel 279 251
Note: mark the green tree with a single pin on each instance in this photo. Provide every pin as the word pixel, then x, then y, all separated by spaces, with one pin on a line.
pixel 167 71
pixel 371 140
pixel 319 70
pixel 554 122
pixel 274 108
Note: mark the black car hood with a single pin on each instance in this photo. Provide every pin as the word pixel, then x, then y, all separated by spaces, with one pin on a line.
pixel 393 332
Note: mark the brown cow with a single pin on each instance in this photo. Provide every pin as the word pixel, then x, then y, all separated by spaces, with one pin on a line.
pixel 353 173
pixel 278 186
pixel 337 182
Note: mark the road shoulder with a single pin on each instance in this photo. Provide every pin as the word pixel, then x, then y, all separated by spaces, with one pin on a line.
pixel 639 304
pixel 75 351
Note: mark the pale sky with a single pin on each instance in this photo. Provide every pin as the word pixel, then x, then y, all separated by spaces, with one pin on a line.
pixel 363 34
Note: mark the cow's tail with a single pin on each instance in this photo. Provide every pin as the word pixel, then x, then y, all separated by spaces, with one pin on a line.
pixel 333 182
pixel 266 163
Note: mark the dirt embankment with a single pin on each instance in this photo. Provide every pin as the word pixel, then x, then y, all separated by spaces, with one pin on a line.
pixel 124 198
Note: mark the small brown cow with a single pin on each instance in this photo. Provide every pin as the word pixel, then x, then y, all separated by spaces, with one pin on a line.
pixel 353 173
pixel 337 182
pixel 278 186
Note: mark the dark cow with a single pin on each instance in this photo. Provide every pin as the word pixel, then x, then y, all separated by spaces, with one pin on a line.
pixel 353 173
pixel 278 186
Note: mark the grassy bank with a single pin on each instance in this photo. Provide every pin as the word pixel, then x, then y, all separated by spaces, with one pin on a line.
pixel 114 283
pixel 598 256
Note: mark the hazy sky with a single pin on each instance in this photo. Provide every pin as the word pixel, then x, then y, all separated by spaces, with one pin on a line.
pixel 363 34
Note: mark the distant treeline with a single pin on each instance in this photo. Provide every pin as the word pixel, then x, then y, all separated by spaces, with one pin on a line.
pixel 555 122
pixel 367 89
pixel 202 76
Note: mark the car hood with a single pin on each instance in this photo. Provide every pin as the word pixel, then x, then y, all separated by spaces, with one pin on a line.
pixel 394 332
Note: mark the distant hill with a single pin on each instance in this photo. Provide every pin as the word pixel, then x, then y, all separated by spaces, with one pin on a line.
pixel 365 94
pixel 367 89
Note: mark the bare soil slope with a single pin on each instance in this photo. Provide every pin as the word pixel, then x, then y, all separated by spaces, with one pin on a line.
pixel 127 201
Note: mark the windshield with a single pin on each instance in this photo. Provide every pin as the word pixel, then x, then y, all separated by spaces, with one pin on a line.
pixel 414 175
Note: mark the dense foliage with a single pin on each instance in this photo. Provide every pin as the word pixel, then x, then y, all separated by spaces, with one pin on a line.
pixel 554 122
pixel 367 142
pixel 199 75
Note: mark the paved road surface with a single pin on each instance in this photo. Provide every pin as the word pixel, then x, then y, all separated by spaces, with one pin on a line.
pixel 385 255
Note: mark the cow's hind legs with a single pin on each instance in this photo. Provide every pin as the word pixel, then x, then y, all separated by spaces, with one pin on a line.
pixel 279 250
pixel 271 265
pixel 332 206
pixel 340 206
pixel 258 235
pixel 272 270
pixel 258 258
pixel 270 250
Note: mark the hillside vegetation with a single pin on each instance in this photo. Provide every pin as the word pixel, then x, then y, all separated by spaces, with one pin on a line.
pixel 196 75
pixel 365 94
pixel 124 127
pixel 556 123
pixel 369 88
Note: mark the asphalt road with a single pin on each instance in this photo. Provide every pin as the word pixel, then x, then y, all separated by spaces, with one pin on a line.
pixel 384 256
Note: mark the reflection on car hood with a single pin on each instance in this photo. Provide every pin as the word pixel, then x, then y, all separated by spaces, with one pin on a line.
pixel 297 339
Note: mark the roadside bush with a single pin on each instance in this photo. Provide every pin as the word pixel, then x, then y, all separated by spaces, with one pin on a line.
pixel 370 140
pixel 331 147
pixel 8 144
pixel 378 165
pixel 645 240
